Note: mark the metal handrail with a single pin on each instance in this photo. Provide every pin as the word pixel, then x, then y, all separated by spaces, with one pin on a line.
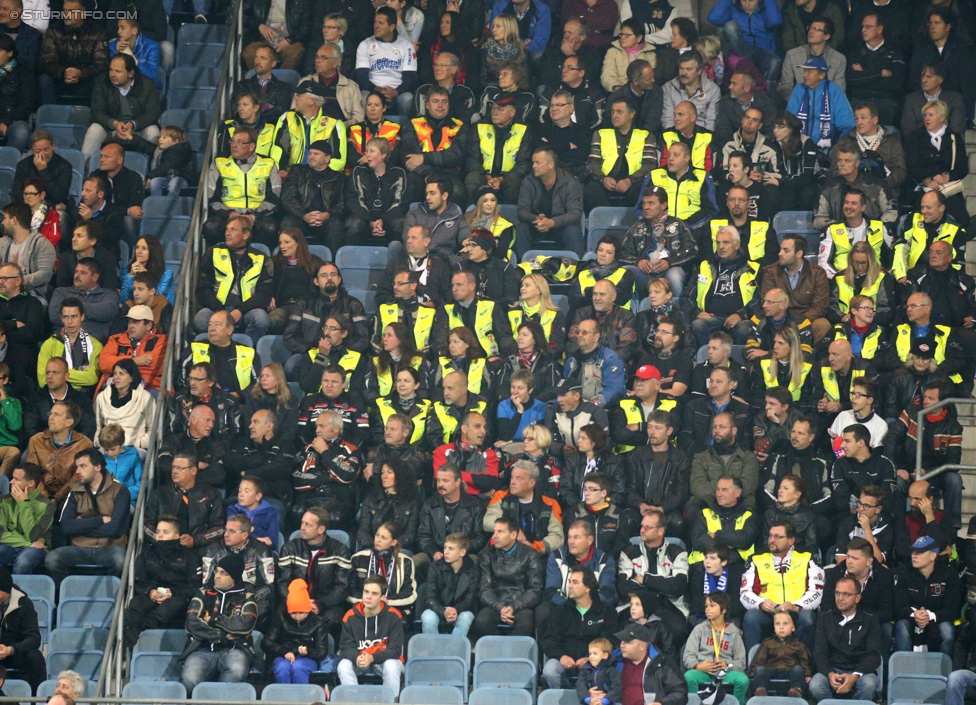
pixel 920 426
pixel 111 674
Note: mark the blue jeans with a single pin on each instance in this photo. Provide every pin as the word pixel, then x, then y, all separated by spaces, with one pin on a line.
pixel 18 134
pixel 231 665
pixel 558 677
pixel 959 683
pixel 704 327
pixel 23 560
pixel 864 689
pixel 165 185
pixel 431 622
pixel 297 672
pixel 938 637
pixel 60 561
pixel 766 61
pixel 756 622
pixel 950 483
pixel 255 323
pixel 391 670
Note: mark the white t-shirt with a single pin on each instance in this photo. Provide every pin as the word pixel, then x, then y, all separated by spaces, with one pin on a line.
pixel 876 425
pixel 386 61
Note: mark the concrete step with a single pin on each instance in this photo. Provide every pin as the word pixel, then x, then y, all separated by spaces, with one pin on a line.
pixel 969 185
pixel 971 251
pixel 971 204
pixel 972 163
pixel 970 136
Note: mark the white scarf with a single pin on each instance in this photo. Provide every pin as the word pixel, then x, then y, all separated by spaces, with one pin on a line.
pixel 936 137
pixel 419 264
pixel 37 218
pixel 870 143
pixel 86 347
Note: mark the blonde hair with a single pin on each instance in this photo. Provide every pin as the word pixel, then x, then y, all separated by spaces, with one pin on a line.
pixel 545 296
pixel 284 396
pixel 660 283
pixel 602 644
pixel 510 25
pixel 174 132
pixel 941 108
pixel 540 434
pixel 477 212
pixel 709 48
pixel 788 335
pixel 874 269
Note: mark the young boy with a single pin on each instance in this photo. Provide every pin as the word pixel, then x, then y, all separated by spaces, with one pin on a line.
pixel 170 164
pixel 599 682
pixel 264 517
pixel 781 656
pixel 716 647
pixel 144 294
pixel 714 574
pixel 297 639
pixel 143 49
pixel 453 586
pixel 121 460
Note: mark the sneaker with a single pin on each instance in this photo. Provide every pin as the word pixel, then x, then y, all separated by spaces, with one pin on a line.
pixel 794 693
pixel 760 692
pixel 200 19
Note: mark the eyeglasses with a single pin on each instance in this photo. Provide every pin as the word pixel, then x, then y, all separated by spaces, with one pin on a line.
pixel 818 29
pixel 572 68
pixel 558 105
pixel 862 505
pixel 858 395
pixel 591 489
pixel 917 306
pixel 627 34
pixel 330 26
pixel 844 594
pixel 241 143
pixel 181 467
pixel 864 308
pixel 32 193
pixel 197 379
pixel 332 329
pixel 7 279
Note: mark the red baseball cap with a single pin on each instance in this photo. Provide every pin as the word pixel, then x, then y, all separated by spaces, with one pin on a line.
pixel 648 372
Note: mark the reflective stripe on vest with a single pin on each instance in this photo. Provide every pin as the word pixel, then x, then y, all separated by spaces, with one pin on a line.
pixel 634 414
pixel 772 379
pixel 782 587
pixel 384 380
pixel 713 523
pixel 349 362
pixel 425 134
pixel 903 346
pixel 360 136
pixel 390 313
pixel 757 238
pixel 842 242
pixel 265 138
pixel 845 292
pixel 476 372
pixel 486 138
pixel 682 200
pixel 869 345
pixel 482 325
pixel 747 283
pixel 699 148
pixel 224 274
pixel 497 228
pixel 587 281
pixel 634 154
pixel 831 388
pixel 240 190
pixel 516 316
pixel 245 360
pixel 916 242
pixel 322 127
pixel 386 409
pixel 448 424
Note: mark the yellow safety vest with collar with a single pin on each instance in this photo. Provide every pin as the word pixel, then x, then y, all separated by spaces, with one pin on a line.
pixel 387 409
pixel 476 372
pixel 634 414
pixel 425 134
pixel 486 139
pixel 448 423
pixel 699 148
pixel 845 292
pixel 916 242
pixel 384 380
pixel 869 346
pixel 903 345
pixel 842 242
pixel 482 325
pixel 500 226
pixel 245 360
pixel 587 281
pixel 390 313
pixel 322 127
pixel 829 378
pixel 757 238
pixel 265 137
pixel 634 153
pixel 682 201
pixel 747 283
pixel 713 523
pixel 240 190
pixel 349 362
pixel 772 379
pixel 567 267
pixel 546 319
pixel 224 273
pixel 782 587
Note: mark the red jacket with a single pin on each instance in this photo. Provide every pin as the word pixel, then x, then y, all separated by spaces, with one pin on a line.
pixel 479 468
pixel 118 347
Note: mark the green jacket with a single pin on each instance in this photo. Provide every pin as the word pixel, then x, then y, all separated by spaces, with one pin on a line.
pixel 23 523
pixel 11 420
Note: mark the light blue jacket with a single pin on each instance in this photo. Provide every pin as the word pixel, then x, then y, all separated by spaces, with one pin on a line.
pixel 127 469
pixel 146 53
pixel 841 115
pixel 164 288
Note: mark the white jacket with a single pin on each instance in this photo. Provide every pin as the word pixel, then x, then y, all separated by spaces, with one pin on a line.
pixel 135 417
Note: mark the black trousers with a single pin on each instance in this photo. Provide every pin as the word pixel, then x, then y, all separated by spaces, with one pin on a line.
pixel 31 664
pixel 488 620
pixel 142 613
pixel 265 229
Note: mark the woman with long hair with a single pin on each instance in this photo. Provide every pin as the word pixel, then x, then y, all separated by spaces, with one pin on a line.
pixel 410 20
pixel 446 42
pixel 536 439
pixel 273 394
pixel 397 352
pixel 594 454
pixel 45 219
pixel 464 355
pixel 373 125
pixel 622 52
pixel 294 269
pixel 791 506
pixel 862 276
pixel 512 80
pixel 502 46
pixel 405 398
pixel 532 354
pixel 487 216
pixel 607 265
pixel 125 401
pixel 535 304
pixel 785 367
pixel 147 256
pixel 392 496
pixel 799 166
pixel 385 557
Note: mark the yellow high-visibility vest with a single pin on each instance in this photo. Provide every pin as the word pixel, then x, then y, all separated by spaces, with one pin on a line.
pixel 390 313
pixel 747 283
pixel 448 423
pixel 842 242
pixel 757 238
pixel 782 587
pixel 265 137
pixel 476 372
pixel 587 281
pixel 829 379
pixel 634 154
pixel 384 380
pixel 224 273
pixel 486 139
pixel 684 198
pixel 634 414
pixel 321 128
pixel 714 523
pixel 699 148
pixel 387 409
pixel 245 360
pixel 240 190
pixel 916 242
pixel 349 362
pixel 845 292
pixel 772 379
pixel 903 346
pixel 482 325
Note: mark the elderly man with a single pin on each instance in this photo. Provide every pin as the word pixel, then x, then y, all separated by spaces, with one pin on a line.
pixel 538 517
pixel 949 354
pixel 686 130
pixel 832 383
pixel 444 421
pixel 111 115
pixel 727 521
pixel 621 157
pixel 823 125
pixel 574 43
pixel 617 325
pixel 947 286
pixel 267 453
pixel 550 203
pixel 329 470
pixel 629 428
pixel 499 152
pixel 648 97
pixel 461 100
pixel 202 388
pixel 307 123
pixel 343 100
pixel 597 369
pixel 691 85
pixel 689 190
pixel 725 289
pixel 200 440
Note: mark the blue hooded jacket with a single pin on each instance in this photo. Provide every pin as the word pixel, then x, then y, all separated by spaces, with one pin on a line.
pixel 264 521
pixel 758 28
pixel 127 469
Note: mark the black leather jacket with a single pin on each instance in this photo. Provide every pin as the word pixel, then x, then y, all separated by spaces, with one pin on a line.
pixel 205 511
pixel 329 575
pixel 678 241
pixel 445 591
pixel 298 18
pixel 221 619
pixel 303 184
pixel 304 327
pixel 286 635
pixel 650 483
pixel 378 508
pixel 574 473
pixel 515 580
pixel 468 518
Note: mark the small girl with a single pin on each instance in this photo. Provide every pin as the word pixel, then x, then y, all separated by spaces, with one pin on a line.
pixel 599 682
pixel 782 656
pixel 171 165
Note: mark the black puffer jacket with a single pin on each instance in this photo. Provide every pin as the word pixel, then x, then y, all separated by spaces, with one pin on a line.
pixel 648 482
pixel 449 589
pixel 515 580
pixel 303 184
pixel 176 160
pixel 468 518
pixel 378 508
pixel 328 577
pixel 84 48
pixel 574 473
pixel 170 565
pixel 18 625
pixel 285 635
pixel 17 94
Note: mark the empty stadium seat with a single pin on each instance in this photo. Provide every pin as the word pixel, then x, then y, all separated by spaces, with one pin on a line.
pixel 86 612
pixel 6 179
pixel 607 219
pixel 63 116
pixel 77 649
pixel 202 34
pixel 85 586
pixel 321 251
pixel 361 266
pixel 67 137
pixel 271 348
pixel 167 206
pixel 918 677
pixel 192 98
pixel 362 694
pixel 292 692
pixel 558 697
pixel 161 640
pixel 9 156
pixel 14 688
pixel 438 660
pixel 164 227
pixel 500 696
pixel 189 120
pixel 198 55
pixel 506 662
pixel 40 589
pixel 773 700
pixel 161 692
pixel 432 695
pixel 189 76
pixel 155 666
pixel 562 301
pixel 243 692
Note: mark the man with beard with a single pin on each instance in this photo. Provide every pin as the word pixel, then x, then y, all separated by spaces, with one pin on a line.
pixel 202 388
pixel 305 323
pixel 673 359
pixel 357 367
pixel 330 468
pixel 658 474
pixel 723 458
pixel 756 237
pixel 259 573
pixel 332 396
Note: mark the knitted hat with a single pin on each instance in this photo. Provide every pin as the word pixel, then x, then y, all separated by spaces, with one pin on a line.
pixel 233 565
pixel 322 146
pixel 298 599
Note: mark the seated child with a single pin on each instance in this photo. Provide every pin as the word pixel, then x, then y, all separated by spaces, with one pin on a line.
pixel 716 649
pixel 145 292
pixel 121 460
pixel 782 656
pixel 297 639
pixel 170 163
pixel 264 517
pixel 599 682
pixel 714 574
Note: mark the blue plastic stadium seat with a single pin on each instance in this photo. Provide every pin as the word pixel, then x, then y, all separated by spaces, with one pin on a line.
pixel 189 76
pixel 242 692
pixel 292 692
pixel 172 227
pixel 434 695
pixel 271 348
pixel 9 156
pixel 161 640
pixel 155 666
pixel 199 54
pixel 14 688
pixel 362 694
pixel 85 586
pixel 86 612
pixel 46 688
pixel 63 116
pixel 203 34
pixel 192 98
pixel 160 691
pixel 500 696
pixel 558 697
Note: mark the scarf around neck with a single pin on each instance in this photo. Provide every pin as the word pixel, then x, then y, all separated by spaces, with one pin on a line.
pixel 823 114
pixel 870 143
pixel 84 339
pixel 501 52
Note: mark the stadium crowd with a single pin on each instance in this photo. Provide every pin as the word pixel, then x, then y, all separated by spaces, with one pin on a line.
pixel 651 487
